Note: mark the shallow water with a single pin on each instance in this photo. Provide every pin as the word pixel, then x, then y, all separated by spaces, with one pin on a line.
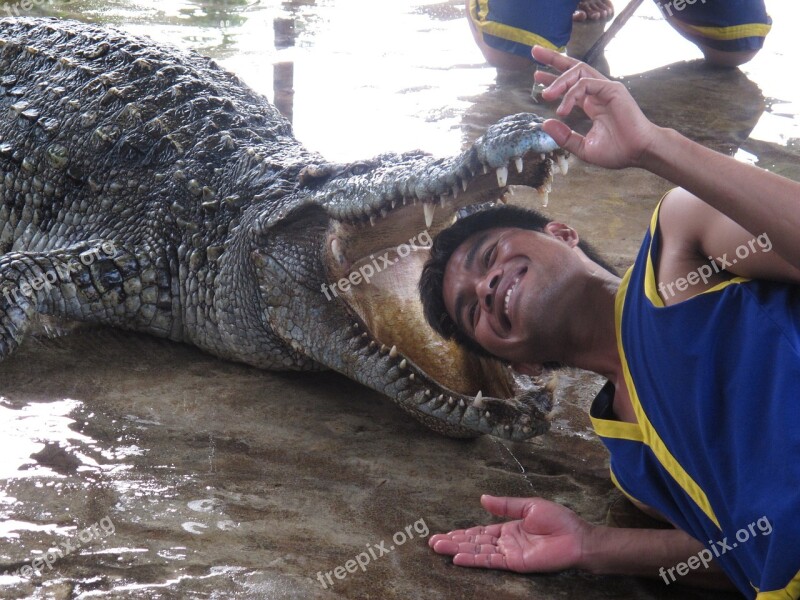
pixel 221 481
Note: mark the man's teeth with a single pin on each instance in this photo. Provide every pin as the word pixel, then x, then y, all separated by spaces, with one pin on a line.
pixel 508 295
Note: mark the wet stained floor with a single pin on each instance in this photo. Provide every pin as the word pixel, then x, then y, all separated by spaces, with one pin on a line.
pixel 161 472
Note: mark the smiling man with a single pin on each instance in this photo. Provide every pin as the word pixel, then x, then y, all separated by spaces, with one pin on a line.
pixel 699 341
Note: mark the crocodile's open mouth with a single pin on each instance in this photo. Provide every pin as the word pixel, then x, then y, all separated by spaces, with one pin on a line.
pixel 374 260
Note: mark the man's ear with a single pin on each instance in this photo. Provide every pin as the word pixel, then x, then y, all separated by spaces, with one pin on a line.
pixel 532 369
pixel 562 232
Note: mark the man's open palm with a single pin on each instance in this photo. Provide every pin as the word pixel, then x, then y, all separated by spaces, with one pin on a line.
pixel 544 537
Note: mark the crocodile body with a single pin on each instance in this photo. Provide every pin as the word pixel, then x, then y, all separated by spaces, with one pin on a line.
pixel 146 188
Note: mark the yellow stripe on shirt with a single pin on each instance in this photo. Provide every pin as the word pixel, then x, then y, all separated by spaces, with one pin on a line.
pixel 735 32
pixel 790 592
pixel 649 434
pixel 650 284
pixel 479 10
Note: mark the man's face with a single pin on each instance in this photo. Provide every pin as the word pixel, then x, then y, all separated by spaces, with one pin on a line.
pixel 503 288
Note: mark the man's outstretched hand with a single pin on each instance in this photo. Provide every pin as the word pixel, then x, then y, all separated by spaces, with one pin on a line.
pixel 544 537
pixel 620 133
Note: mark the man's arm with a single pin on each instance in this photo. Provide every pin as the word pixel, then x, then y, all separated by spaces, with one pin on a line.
pixel 548 537
pixel 669 554
pixel 693 231
pixel 757 200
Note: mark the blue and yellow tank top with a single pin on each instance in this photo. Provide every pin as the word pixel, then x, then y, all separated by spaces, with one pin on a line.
pixel 715 385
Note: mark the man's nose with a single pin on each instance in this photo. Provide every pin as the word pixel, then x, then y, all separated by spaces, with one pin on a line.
pixel 487 287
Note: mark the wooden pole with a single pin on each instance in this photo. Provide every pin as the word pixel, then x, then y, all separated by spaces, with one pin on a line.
pixel 597 49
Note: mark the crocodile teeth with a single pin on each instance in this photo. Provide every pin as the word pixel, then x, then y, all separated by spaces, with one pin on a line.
pixel 372 220
pixel 429 209
pixel 336 248
pixel 393 203
pixel 563 165
pixel 403 364
pixel 518 164
pixel 485 170
pixel 442 201
pixel 544 194
pixel 502 176
pixel 393 352
pixel 478 403
pixel 455 192
pixel 464 183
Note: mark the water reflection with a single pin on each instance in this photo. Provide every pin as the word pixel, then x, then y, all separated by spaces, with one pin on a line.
pixel 358 78
pixel 37 439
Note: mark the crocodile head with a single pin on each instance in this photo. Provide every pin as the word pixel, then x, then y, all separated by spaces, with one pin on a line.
pixel 353 306
pixel 238 228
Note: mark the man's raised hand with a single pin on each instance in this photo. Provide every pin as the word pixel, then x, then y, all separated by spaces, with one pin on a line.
pixel 620 132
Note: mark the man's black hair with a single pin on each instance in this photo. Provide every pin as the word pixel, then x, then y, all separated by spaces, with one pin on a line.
pixel 431 283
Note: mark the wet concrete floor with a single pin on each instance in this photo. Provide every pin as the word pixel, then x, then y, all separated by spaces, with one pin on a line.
pixel 162 472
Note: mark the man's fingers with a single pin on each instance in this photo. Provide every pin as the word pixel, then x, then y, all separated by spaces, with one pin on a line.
pixel 503 506
pixel 544 77
pixel 559 61
pixel 582 88
pixel 567 81
pixel 564 136
pixel 452 548
pixel 442 536
pixel 475 539
pixel 481 561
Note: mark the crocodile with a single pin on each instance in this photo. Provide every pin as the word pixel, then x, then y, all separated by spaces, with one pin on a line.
pixel 146 188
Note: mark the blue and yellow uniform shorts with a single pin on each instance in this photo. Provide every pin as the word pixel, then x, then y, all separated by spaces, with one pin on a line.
pixel 514 26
